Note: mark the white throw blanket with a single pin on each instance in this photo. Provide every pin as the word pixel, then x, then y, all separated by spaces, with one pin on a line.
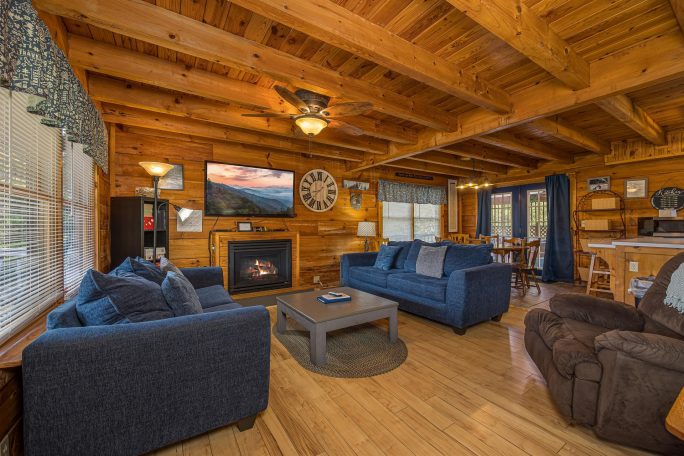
pixel 675 290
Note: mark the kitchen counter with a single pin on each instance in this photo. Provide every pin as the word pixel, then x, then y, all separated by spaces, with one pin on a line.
pixel 635 257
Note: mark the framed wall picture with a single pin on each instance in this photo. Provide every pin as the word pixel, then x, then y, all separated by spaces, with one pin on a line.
pixel 355 185
pixel 173 180
pixel 355 200
pixel 598 183
pixel 636 188
pixel 452 206
pixel 244 226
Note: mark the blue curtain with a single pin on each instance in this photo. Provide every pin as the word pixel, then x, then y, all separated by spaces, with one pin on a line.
pixel 484 213
pixel 558 257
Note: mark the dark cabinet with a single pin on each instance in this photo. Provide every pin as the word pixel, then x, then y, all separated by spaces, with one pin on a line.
pixel 131 228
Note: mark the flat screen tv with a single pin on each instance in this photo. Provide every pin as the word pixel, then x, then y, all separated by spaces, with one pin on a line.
pixel 248 191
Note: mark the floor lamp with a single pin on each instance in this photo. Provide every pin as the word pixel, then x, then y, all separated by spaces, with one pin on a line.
pixel 156 170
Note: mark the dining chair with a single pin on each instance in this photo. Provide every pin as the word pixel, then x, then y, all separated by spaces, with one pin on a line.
pixel 512 257
pixel 524 270
pixel 459 238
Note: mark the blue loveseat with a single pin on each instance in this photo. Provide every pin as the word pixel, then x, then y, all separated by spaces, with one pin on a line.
pixel 471 290
pixel 131 388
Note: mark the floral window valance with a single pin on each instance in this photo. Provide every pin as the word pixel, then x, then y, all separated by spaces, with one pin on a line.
pixel 401 192
pixel 30 62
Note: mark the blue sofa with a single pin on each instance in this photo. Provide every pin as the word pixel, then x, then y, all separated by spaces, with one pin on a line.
pixel 463 296
pixel 131 388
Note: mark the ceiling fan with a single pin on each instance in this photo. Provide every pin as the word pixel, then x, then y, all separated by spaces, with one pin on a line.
pixel 315 112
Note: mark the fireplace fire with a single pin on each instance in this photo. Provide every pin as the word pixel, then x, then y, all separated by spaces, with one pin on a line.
pixel 259 265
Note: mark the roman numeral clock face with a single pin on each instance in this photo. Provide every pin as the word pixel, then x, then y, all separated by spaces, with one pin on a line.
pixel 318 190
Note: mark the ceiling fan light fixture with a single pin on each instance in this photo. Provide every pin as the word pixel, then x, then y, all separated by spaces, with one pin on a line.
pixel 311 125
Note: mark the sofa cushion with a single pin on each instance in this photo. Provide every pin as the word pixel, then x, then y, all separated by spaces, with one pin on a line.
pixel 372 275
pixel 230 306
pixel 419 285
pixel 400 259
pixel 213 296
pixel 460 256
pixel 166 266
pixel 125 298
pixel 430 261
pixel 414 250
pixel 64 316
pixel 133 266
pixel 180 295
pixel 386 256
pixel 653 303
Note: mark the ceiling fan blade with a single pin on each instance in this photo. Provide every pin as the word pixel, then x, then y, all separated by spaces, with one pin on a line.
pixel 291 98
pixel 353 108
pixel 345 127
pixel 266 114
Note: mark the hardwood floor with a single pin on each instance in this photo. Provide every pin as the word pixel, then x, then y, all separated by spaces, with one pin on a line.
pixel 477 394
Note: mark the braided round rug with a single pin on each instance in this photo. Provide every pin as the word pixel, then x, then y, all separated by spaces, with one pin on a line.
pixel 358 351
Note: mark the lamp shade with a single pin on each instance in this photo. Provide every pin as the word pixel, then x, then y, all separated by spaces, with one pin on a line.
pixel 183 212
pixel 156 169
pixel 311 125
pixel 366 229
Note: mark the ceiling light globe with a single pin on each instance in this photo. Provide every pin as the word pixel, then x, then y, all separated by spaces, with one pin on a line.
pixel 311 125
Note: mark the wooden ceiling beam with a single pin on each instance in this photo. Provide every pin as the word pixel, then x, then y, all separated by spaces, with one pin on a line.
pixel 488 154
pixel 517 143
pixel 572 134
pixel 437 158
pixel 102 58
pixel 415 165
pixel 153 24
pixel 649 63
pixel 133 95
pixel 529 34
pixel 339 27
pixel 626 111
pixel 164 122
pixel 384 130
pixel 678 9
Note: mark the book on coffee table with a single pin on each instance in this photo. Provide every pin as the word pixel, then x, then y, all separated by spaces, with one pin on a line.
pixel 333 297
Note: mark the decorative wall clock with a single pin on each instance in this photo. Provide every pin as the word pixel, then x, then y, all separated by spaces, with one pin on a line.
pixel 318 190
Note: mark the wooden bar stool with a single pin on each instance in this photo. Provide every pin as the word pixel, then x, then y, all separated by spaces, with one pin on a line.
pixel 598 280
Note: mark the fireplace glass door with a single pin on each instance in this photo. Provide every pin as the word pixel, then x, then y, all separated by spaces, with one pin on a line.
pixel 259 265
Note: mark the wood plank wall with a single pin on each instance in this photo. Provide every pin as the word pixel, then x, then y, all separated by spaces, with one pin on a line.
pixel 660 173
pixel 324 236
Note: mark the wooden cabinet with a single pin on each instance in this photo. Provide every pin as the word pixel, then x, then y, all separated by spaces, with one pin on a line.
pixel 131 228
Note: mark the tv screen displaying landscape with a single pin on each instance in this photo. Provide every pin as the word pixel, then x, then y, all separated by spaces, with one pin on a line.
pixel 237 191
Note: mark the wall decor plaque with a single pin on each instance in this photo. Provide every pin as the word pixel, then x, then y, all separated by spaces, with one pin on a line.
pixel 668 198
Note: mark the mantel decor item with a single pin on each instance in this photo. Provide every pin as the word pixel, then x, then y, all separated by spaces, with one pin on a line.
pixel 367 230
pixel 244 226
pixel 156 170
pixel 636 188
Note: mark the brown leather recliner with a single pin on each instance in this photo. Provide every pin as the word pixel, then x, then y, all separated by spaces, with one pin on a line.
pixel 611 366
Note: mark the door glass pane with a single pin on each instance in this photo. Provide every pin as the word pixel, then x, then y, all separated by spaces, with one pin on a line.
pixel 396 221
pixel 502 214
pixel 537 222
pixel 426 222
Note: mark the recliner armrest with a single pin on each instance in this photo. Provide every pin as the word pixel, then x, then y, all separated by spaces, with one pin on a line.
pixel 203 277
pixel 597 311
pixel 655 349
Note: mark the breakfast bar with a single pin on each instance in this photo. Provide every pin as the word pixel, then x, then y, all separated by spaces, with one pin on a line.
pixel 635 257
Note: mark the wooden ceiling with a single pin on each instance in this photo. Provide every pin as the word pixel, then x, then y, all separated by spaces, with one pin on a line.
pixel 492 85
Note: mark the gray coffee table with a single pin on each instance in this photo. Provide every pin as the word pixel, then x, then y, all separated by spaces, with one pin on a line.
pixel 319 318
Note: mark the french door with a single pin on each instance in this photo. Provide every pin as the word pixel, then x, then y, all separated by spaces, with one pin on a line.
pixel 521 212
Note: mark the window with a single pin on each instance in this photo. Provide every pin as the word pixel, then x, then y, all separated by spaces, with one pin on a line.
pixel 78 216
pixel 35 228
pixel 502 214
pixel 406 221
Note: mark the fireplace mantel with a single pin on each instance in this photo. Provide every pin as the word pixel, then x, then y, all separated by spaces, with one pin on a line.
pixel 219 250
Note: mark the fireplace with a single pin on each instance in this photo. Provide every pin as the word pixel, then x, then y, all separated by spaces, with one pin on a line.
pixel 259 265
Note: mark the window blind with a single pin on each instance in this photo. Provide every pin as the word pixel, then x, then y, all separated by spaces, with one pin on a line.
pixel 426 222
pixel 78 176
pixel 31 259
pixel 396 221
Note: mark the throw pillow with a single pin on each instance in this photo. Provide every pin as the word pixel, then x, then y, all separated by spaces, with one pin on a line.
pixel 386 256
pixel 105 299
pixel 412 256
pixel 431 261
pixel 180 295
pixel 133 266
pixel 166 266
pixel 400 259
pixel 460 256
